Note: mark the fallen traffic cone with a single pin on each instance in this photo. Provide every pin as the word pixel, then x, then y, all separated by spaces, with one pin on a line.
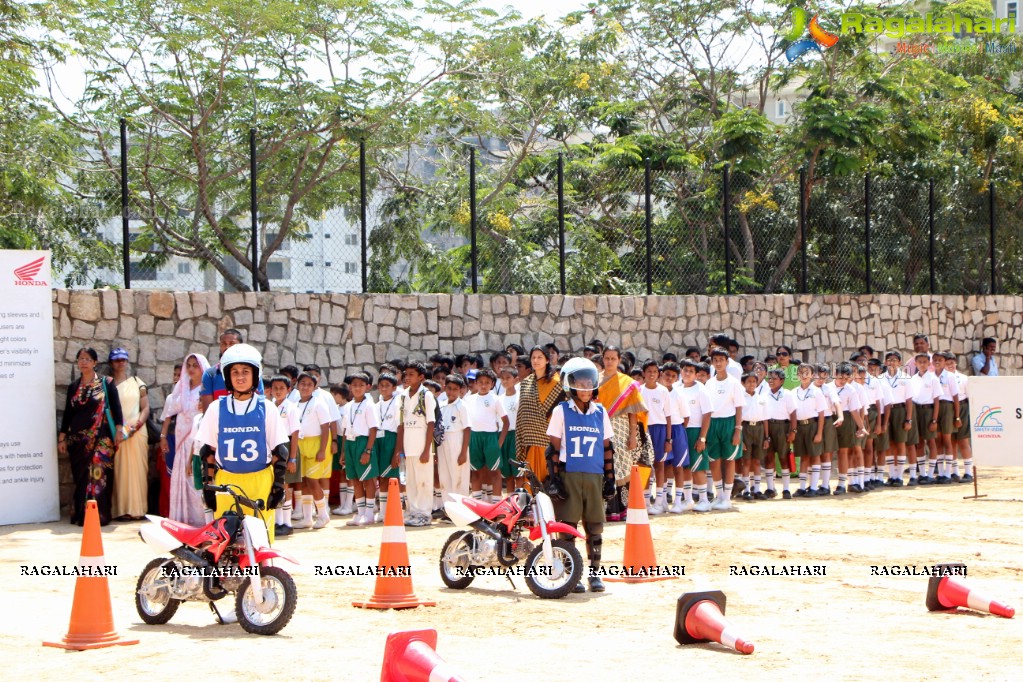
pixel 639 564
pixel 700 617
pixel 946 592
pixel 410 656
pixel 92 620
pixel 394 578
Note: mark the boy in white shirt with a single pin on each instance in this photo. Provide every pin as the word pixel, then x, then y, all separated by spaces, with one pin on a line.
pixel 926 404
pixel 453 453
pixel 386 445
pixel 678 460
pixel 962 436
pixel 754 432
pixel 700 406
pixel 361 422
pixel 280 388
pixel 833 419
pixel 780 432
pixel 341 395
pixel 488 423
pixel 880 443
pixel 861 450
pixel 656 398
pixel 806 427
pixel 313 444
pixel 508 377
pixel 333 450
pixel 850 429
pixel 949 420
pixel 721 435
pixel 416 415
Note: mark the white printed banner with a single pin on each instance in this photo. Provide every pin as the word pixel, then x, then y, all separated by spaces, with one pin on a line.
pixel 996 420
pixel 28 440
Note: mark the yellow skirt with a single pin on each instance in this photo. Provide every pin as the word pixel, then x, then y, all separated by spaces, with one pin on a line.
pixel 308 448
pixel 256 485
pixel 537 461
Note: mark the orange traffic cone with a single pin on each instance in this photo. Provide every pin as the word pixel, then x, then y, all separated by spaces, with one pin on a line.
pixel 945 592
pixel 639 564
pixel 410 657
pixel 92 620
pixel 700 617
pixel 394 580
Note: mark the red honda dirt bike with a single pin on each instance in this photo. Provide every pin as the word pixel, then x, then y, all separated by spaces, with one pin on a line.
pixel 230 554
pixel 502 534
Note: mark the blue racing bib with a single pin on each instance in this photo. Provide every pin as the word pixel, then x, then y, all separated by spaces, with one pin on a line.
pixel 241 443
pixel 584 440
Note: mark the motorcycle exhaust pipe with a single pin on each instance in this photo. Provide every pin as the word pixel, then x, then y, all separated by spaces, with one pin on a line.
pixel 481 526
pixel 190 557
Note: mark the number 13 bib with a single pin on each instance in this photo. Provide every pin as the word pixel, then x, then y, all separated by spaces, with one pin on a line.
pixel 241 443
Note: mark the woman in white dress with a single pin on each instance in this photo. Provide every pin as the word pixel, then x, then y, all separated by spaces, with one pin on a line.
pixel 186 503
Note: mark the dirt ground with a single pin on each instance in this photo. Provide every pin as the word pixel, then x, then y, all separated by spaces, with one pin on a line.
pixel 848 625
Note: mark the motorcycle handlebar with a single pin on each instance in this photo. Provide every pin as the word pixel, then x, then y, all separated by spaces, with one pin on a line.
pixel 241 499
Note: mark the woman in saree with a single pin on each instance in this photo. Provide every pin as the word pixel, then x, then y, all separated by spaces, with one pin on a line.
pixel 539 393
pixel 620 396
pixel 186 503
pixel 131 464
pixel 90 431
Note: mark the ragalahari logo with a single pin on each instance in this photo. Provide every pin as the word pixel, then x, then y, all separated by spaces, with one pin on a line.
pixel 987 424
pixel 26 274
pixel 819 38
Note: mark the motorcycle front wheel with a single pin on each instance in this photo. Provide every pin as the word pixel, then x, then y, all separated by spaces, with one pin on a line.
pixel 280 597
pixel 540 576
pixel 152 596
pixel 454 560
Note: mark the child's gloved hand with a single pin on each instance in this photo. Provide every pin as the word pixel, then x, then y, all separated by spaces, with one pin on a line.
pixel 275 498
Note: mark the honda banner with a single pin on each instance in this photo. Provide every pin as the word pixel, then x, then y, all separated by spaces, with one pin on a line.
pixel 28 440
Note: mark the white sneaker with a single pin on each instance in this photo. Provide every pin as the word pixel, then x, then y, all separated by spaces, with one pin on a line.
pixel 656 509
pixel 337 511
pixel 721 504
pixel 687 506
pixel 378 517
pixel 702 506
pixel 296 513
pixel 346 510
pixel 321 522
pixel 677 507
pixel 302 522
pixel 355 520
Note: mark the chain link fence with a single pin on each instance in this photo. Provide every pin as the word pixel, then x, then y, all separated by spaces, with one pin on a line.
pixel 347 217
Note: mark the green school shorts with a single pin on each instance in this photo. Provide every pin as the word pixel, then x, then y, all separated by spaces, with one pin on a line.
pixel 719 440
pixel 354 468
pixel 698 461
pixel 383 451
pixel 484 451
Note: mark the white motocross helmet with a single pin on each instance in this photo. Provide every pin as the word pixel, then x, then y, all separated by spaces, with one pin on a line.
pixel 244 353
pixel 579 373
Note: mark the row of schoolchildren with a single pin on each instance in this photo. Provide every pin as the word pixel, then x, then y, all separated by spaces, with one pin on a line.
pixel 457 436
pixel 872 417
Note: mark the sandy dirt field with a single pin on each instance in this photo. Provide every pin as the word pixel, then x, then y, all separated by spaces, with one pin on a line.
pixel 848 625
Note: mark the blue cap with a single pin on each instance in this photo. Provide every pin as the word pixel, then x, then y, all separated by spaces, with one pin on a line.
pixel 118 354
pixel 470 375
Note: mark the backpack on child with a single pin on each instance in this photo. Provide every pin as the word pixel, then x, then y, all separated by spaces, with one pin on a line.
pixel 438 424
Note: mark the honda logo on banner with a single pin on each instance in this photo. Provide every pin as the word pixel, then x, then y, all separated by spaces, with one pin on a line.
pixel 26 274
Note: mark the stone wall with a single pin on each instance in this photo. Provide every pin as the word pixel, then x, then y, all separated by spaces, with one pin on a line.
pixel 342 331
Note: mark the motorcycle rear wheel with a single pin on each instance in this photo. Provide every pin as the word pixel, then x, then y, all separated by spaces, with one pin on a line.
pixel 161 608
pixel 454 560
pixel 284 593
pixel 547 587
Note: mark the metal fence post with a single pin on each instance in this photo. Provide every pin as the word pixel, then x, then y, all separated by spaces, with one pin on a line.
pixel 125 235
pixel 991 223
pixel 253 209
pixel 726 197
pixel 866 230
pixel 930 231
pixel 362 213
pixel 648 221
pixel 472 216
pixel 561 220
pixel 802 231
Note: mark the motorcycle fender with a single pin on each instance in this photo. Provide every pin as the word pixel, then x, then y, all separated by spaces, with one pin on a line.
pixel 156 537
pixel 265 554
pixel 458 512
pixel 554 527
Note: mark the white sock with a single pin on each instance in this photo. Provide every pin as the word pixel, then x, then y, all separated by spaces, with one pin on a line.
pixel 477 494
pixel 278 516
pixel 955 467
pixel 770 479
pixel 826 474
pixel 815 476
pixel 719 490
pixel 700 492
pixel 727 492
pixel 307 507
pixel 321 507
pixel 662 495
pixel 968 466
pixel 687 492
pixel 786 475
pixel 383 500
pixel 756 484
pixel 438 499
pixel 286 513
pixel 802 481
pixel 932 466
pixel 900 467
pixel 841 479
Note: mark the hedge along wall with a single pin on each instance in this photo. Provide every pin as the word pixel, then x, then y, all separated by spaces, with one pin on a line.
pixel 340 332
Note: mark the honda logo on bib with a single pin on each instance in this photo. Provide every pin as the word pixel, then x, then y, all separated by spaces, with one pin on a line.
pixel 26 274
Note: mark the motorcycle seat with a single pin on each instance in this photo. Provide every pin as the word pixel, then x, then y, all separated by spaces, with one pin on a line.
pixel 484 509
pixel 189 535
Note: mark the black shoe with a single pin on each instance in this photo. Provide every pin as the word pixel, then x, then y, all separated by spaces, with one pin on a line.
pixel 596 584
pixel 811 492
pixel 856 488
pixel 444 518
pixel 747 495
pixel 759 496
pixel 283 530
pixel 924 480
pixel 278 528
pixel 437 514
pixel 799 493
pixel 967 478
pixel 956 479
pixel 579 587
pixel 823 492
pixel 786 495
pixel 840 490
pixel 911 483
pixel 770 494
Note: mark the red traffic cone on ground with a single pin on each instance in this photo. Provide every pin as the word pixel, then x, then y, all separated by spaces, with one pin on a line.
pixel 92 619
pixel 946 592
pixel 639 564
pixel 394 578
pixel 700 617
pixel 410 656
